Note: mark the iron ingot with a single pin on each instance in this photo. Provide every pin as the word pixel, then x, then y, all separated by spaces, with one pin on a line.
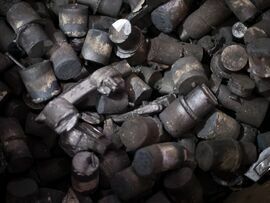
pixel 183 114
pixel 97 47
pixel 73 20
pixel 40 81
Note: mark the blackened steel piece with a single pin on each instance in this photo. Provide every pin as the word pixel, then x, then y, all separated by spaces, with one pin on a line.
pixel 66 63
pixel 263 141
pixel 21 14
pixel 139 132
pixel 40 82
pixel 114 104
pixel 51 170
pixel 259 57
pixel 158 158
pixel 226 155
pixel 22 190
pixel 166 50
pixel 248 133
pixel 239 30
pixel 200 22
pixel 187 73
pixel 6 39
pixel 234 58
pixel 243 9
pixel 15 148
pixel 128 185
pixel 104 7
pixel 260 167
pixel 100 22
pixel 59 115
pixel 85 172
pixel 183 185
pixel 73 20
pixel 92 118
pixel 251 111
pixel 83 137
pixel 106 80
pixel 258 30
pixel 220 126
pixel 138 91
pixel 241 85
pixel 183 114
pixel 129 40
pixel 97 47
pixel 110 164
pixel 33 39
pixel 169 15
pixel 55 5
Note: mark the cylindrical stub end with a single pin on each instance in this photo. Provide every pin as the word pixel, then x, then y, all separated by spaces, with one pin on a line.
pixel 139 132
pixel 234 58
pixel 157 158
pixel 85 175
pixel 120 31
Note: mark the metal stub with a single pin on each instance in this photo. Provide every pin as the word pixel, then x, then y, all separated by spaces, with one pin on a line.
pixel 234 58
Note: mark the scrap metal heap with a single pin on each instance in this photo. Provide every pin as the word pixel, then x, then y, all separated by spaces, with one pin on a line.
pixel 149 101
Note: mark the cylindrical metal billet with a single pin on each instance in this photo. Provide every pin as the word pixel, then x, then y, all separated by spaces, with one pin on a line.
pixel 166 50
pixel 128 185
pixel 138 91
pixel 234 58
pixel 158 158
pixel 20 15
pixel 183 114
pixel 251 111
pixel 85 172
pixel 187 73
pixel 239 30
pixel 169 15
pixel 66 63
pixel 262 86
pixel 104 7
pixel 243 9
pixel 40 81
pixel 259 57
pixel 15 148
pixel 182 185
pixel 114 104
pixel 200 22
pixel 224 155
pixel 34 40
pixel 217 67
pixel 97 47
pixel 139 132
pixel 73 20
pixel 110 164
pixel 22 190
pixel 220 126
pixel 241 85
